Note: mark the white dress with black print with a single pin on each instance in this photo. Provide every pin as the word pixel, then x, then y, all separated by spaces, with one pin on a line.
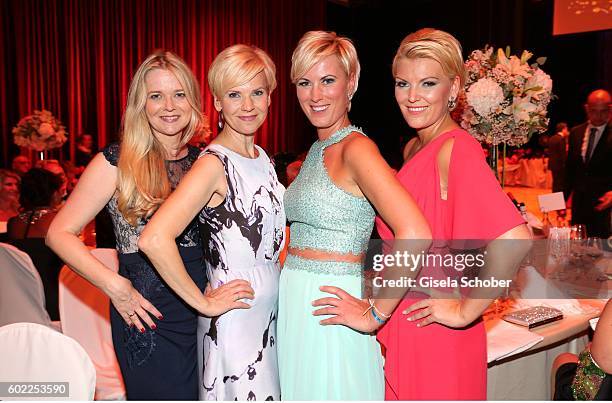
pixel 242 239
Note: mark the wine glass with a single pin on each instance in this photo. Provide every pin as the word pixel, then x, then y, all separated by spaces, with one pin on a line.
pixel 594 246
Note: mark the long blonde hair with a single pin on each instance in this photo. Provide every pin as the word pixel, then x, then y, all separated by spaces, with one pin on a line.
pixel 143 181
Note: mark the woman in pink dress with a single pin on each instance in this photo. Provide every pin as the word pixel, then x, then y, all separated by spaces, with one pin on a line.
pixel 436 348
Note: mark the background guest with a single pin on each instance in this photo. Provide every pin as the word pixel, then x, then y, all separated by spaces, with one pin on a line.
pixel 588 376
pixel 40 199
pixel 84 151
pixel 589 166
pixel 9 196
pixel 56 168
pixel 557 155
pixel 21 164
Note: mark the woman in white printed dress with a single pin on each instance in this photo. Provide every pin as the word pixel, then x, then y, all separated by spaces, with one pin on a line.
pixel 234 190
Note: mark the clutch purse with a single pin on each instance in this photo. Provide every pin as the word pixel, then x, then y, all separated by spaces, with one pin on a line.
pixel 534 316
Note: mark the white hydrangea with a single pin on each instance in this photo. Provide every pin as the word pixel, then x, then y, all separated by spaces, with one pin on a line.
pixel 541 80
pixel 485 95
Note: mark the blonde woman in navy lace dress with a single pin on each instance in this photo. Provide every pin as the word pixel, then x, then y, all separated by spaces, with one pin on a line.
pixel 234 192
pixel 154 331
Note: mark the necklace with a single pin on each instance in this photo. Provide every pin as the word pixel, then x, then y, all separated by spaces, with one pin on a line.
pixel 33 216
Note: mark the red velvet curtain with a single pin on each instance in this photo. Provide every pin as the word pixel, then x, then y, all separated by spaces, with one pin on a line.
pixel 76 58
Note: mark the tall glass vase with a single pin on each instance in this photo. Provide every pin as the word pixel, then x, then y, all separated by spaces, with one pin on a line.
pixel 43 155
pixel 493 159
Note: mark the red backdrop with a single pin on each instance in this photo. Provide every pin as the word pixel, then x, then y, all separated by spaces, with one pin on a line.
pixel 76 58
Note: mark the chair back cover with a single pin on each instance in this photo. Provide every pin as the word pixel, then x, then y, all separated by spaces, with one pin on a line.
pixel 22 296
pixel 85 316
pixel 35 353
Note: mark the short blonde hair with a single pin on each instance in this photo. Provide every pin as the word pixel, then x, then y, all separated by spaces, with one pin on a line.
pixel 317 45
pixel 237 65
pixel 437 45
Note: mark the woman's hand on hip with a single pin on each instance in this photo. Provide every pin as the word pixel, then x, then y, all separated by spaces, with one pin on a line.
pixel 344 309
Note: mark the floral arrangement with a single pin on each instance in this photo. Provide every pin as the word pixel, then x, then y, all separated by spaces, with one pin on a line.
pixel 506 98
pixel 40 131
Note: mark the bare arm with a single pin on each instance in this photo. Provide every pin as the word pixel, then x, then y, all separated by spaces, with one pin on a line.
pixel 93 191
pixel 395 205
pixel 204 179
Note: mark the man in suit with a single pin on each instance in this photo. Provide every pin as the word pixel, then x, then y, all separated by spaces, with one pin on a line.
pixel 557 154
pixel 589 166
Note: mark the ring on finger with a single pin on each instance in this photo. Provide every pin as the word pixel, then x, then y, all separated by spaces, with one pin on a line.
pixel 131 314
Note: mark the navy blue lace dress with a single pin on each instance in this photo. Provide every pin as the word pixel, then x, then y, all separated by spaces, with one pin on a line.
pixel 158 364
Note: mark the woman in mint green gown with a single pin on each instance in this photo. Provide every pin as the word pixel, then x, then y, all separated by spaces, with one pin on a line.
pixel 330 207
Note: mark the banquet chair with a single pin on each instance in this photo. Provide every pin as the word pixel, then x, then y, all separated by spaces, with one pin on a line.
pixel 35 353
pixel 22 296
pixel 85 316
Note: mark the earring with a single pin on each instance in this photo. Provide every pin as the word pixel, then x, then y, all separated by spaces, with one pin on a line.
pixel 350 97
pixel 220 121
pixel 452 103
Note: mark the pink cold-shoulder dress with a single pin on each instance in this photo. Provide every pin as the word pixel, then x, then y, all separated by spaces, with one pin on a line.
pixel 436 362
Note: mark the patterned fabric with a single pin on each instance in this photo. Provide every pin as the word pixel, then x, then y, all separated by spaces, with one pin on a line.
pixel 588 379
pixel 126 234
pixel 324 362
pixel 242 239
pixel 329 218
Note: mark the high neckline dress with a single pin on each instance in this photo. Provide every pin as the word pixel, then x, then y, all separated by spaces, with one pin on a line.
pixel 324 362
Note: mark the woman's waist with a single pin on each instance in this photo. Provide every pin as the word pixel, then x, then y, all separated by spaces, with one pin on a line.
pixel 253 272
pixel 324 267
pixel 326 255
pixel 340 242
pixel 187 254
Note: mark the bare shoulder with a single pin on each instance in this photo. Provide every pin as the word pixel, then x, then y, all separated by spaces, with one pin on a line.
pixel 99 169
pixel 210 163
pixel 359 146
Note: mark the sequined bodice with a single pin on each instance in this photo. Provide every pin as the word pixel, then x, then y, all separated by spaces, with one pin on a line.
pixel 126 234
pixel 323 216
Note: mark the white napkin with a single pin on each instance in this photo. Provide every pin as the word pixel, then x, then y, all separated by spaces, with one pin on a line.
pixel 505 339
pixel 533 286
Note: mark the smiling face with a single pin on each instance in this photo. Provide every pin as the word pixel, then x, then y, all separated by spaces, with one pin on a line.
pixel 167 108
pixel 422 91
pixel 245 107
pixel 323 93
pixel 10 187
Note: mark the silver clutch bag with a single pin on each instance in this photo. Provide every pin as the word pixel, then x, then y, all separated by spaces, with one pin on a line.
pixel 534 316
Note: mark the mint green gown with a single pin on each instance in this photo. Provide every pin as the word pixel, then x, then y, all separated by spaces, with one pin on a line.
pixel 324 362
